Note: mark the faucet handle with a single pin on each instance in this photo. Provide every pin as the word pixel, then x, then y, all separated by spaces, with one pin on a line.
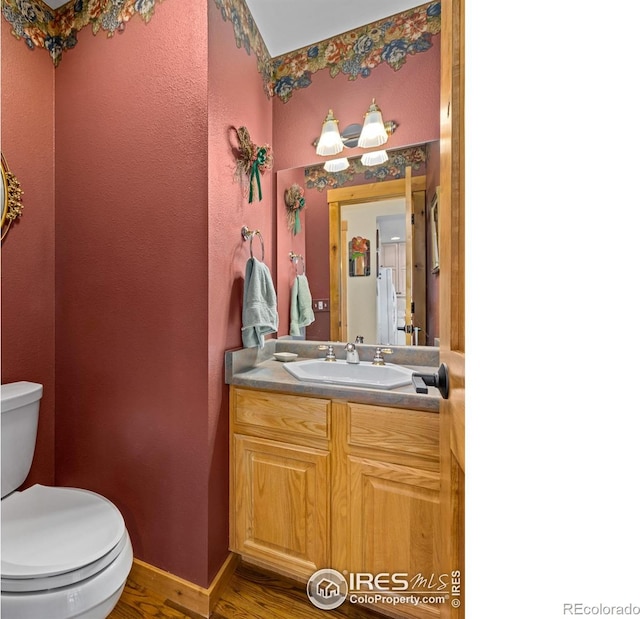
pixel 378 359
pixel 331 355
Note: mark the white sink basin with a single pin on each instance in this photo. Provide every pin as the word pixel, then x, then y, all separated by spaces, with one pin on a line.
pixel 363 374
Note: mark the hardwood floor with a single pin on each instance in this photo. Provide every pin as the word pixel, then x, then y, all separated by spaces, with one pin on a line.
pixel 250 594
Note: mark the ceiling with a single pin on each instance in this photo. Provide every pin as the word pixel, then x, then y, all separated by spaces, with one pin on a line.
pixel 287 25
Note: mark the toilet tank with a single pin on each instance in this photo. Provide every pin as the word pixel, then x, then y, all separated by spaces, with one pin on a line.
pixel 20 403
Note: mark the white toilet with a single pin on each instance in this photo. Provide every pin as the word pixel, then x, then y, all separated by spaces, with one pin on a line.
pixel 65 552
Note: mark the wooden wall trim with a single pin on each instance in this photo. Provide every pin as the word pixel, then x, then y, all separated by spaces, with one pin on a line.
pixel 181 592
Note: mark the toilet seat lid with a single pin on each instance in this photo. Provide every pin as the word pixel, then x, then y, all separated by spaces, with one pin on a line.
pixel 48 531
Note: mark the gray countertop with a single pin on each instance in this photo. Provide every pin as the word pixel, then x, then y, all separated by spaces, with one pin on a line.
pixel 257 369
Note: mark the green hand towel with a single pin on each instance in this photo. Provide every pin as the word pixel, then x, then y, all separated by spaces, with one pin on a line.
pixel 301 305
pixel 259 305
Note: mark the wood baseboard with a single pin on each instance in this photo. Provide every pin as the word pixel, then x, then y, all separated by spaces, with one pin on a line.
pixel 182 593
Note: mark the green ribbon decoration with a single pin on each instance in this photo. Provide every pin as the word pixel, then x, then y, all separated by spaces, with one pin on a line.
pixel 297 226
pixel 261 159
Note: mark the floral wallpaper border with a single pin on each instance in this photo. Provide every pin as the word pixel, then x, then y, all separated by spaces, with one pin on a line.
pixel 355 53
pixel 248 36
pixel 316 177
pixel 56 30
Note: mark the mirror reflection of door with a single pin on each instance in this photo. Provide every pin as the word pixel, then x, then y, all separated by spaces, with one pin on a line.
pixel 371 210
pixel 422 324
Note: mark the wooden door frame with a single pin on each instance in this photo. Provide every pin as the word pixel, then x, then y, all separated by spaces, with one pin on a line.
pixel 452 292
pixel 369 192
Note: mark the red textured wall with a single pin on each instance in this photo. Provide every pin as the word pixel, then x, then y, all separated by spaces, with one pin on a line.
pixel 27 135
pixel 236 98
pixel 317 250
pixel 131 280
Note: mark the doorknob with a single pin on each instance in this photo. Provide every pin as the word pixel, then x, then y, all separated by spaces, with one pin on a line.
pixel 440 380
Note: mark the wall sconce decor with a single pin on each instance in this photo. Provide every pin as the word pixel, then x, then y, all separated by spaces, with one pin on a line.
pixel 336 165
pixel 330 142
pixel 10 198
pixel 253 161
pixel 375 157
pixel 371 134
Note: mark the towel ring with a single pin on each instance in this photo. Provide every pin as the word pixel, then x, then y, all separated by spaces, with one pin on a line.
pixel 295 258
pixel 248 235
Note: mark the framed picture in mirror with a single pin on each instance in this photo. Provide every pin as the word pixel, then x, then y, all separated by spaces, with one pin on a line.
pixel 359 257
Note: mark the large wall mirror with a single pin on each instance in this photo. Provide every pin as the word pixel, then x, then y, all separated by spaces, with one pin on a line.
pixel 368 250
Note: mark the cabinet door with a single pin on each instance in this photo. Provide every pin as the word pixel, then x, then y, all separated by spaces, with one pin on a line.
pixel 394 518
pixel 281 504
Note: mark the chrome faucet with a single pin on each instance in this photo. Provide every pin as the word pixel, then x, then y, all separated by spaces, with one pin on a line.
pixel 378 359
pixel 330 356
pixel 352 353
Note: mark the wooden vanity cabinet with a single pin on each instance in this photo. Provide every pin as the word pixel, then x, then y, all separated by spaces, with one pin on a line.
pixel 393 499
pixel 319 483
pixel 279 494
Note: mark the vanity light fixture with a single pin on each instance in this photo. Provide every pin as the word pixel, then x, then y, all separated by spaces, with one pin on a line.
pixel 330 142
pixel 371 134
pixel 373 131
pixel 375 157
pixel 336 165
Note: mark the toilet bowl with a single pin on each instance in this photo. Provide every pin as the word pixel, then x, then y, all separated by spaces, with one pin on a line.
pixel 66 552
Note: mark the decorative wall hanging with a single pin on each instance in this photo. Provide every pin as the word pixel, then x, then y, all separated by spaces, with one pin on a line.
pixel 56 30
pixel 253 161
pixel 294 199
pixel 10 198
pixel 359 257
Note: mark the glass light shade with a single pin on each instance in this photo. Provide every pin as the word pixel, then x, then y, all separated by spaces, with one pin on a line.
pixel 375 158
pixel 330 142
pixel 336 165
pixel 373 132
